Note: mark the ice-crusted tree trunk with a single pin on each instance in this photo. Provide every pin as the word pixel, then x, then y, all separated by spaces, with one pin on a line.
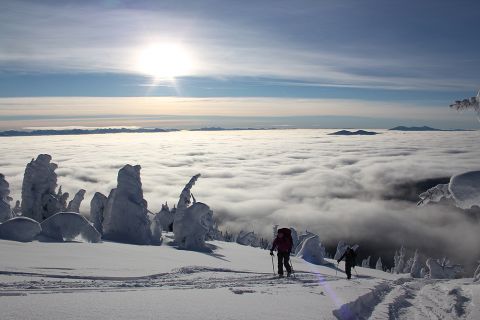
pixel 192 220
pixel 5 210
pixel 126 215
pixel 74 204
pixel 97 209
pixel 379 265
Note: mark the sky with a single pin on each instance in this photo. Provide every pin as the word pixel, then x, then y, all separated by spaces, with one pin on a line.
pixel 330 64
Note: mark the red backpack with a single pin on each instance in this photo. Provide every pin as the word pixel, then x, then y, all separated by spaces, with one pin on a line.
pixel 287 233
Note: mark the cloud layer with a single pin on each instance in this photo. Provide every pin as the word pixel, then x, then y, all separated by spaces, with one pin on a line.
pixel 355 188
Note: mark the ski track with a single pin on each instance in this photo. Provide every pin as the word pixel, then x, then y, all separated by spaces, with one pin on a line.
pixel 408 299
pixel 404 298
pixel 239 282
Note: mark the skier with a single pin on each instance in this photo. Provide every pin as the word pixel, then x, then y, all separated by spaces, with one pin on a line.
pixel 350 262
pixel 283 243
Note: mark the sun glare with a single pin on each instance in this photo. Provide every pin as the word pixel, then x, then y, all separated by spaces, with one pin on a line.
pixel 164 61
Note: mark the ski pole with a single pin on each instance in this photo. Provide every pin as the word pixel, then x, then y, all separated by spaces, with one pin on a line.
pixel 336 269
pixel 273 266
pixel 291 267
pixel 355 271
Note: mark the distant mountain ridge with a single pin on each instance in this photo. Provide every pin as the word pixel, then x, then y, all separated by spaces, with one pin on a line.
pixel 52 132
pixel 354 133
pixel 423 128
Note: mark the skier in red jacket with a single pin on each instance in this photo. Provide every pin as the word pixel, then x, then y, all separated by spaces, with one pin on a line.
pixel 283 243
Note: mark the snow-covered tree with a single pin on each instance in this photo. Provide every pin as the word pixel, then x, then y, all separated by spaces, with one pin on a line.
pixel 74 204
pixel 415 270
pixel 192 220
pixel 66 226
pixel 126 215
pixel 465 104
pixel 379 265
pixel 5 210
pixel 476 275
pixel 366 262
pixel 442 269
pixel 39 199
pixel 399 261
pixel 21 229
pixel 312 250
pixel 97 210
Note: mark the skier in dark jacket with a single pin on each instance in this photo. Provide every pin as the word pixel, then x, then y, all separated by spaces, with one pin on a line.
pixel 283 243
pixel 350 262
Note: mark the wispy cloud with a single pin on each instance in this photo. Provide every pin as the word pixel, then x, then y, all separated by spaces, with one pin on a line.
pixel 90 38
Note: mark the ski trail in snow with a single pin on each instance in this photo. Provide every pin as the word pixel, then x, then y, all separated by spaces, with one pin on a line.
pixel 408 299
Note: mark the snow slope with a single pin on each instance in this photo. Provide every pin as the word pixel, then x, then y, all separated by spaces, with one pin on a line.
pixel 118 281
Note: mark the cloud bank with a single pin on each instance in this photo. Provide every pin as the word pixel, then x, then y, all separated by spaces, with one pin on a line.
pixel 355 188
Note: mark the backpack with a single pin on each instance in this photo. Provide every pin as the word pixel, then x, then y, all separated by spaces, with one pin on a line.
pixel 287 233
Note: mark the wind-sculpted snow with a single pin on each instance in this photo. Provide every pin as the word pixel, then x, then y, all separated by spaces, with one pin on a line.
pixel 464 189
pixel 5 210
pixel 39 199
pixel 97 208
pixel 20 229
pixel 126 215
pixel 361 189
pixel 192 222
pixel 67 226
pixel 312 251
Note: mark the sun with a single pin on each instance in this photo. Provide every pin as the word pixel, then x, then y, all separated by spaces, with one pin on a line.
pixel 164 61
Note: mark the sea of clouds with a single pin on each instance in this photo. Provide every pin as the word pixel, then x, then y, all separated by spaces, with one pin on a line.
pixel 357 188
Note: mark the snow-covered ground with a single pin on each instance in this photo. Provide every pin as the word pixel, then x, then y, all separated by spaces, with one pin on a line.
pixel 108 280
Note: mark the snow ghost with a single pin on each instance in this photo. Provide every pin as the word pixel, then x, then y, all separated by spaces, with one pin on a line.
pixel 66 226
pixel 20 229
pixel 74 205
pixel 341 248
pixel 5 210
pixel 166 217
pixel 97 208
pixel 312 251
pixel 246 238
pixel 192 221
pixel 464 189
pixel 476 275
pixel 126 215
pixel 366 263
pixel 39 200
pixel 379 265
pixel 415 270
pixel 441 270
pixel 156 229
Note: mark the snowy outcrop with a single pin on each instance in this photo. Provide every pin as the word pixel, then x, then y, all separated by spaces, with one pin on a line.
pixel 442 270
pixel 20 229
pixel 416 268
pixel 312 251
pixel 39 199
pixel 97 209
pixel 192 220
pixel 5 210
pixel 126 215
pixel 247 238
pixel 74 205
pixel 476 275
pixel 66 226
pixel 366 263
pixel 399 261
pixel 166 217
pixel 464 189
pixel 379 265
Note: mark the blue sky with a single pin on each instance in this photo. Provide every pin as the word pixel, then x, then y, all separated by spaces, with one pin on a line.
pixel 380 62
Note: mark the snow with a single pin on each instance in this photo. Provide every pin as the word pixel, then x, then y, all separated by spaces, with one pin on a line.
pixel 476 275
pixel 39 200
pixel 438 270
pixel 5 210
pixel 20 229
pixel 74 205
pixel 464 189
pixel 97 208
pixel 67 226
pixel 122 281
pixel 311 250
pixel 192 221
pixel 126 215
